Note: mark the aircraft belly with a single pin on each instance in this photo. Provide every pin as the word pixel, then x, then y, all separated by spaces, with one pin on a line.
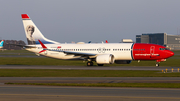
pixel 123 56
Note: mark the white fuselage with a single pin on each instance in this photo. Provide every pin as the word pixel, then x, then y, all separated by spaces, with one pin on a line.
pixel 121 51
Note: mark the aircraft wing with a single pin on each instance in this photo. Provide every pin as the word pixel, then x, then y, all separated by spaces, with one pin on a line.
pixel 67 52
pixel 74 53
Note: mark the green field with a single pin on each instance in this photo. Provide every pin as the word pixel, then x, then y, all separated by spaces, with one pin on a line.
pixel 14 51
pixel 83 73
pixel 91 73
pixel 171 62
pixel 176 52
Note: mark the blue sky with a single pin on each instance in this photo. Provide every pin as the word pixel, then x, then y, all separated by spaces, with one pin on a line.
pixel 85 20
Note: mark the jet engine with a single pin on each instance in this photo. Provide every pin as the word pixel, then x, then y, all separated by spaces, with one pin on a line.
pixel 105 59
pixel 123 61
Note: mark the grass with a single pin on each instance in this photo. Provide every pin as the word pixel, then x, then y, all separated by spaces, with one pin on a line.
pixel 176 52
pixel 14 51
pixel 172 62
pixel 146 85
pixel 82 73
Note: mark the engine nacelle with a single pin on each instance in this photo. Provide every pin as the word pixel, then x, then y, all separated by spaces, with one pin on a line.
pixel 123 61
pixel 105 59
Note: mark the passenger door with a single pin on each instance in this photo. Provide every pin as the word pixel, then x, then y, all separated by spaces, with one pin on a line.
pixel 152 49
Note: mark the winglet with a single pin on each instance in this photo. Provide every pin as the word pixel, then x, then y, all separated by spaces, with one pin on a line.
pixel 106 41
pixel 43 46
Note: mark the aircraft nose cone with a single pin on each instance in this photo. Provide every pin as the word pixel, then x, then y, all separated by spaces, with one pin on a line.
pixel 170 53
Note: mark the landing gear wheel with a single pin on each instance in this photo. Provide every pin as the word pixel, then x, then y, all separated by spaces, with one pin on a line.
pixel 100 64
pixel 157 65
pixel 89 63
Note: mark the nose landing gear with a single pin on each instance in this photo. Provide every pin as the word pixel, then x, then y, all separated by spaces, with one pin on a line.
pixel 158 61
pixel 157 64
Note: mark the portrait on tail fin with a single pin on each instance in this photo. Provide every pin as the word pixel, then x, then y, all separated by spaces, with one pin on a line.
pixel 30 30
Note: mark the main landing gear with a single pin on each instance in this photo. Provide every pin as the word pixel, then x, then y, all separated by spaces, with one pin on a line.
pixel 158 61
pixel 89 63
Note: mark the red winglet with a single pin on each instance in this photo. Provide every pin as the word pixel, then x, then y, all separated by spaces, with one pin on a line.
pixel 25 16
pixel 106 41
pixel 43 46
pixel 42 51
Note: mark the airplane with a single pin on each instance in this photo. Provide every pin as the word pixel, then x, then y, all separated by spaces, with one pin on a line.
pixel 101 53
pixel 1 44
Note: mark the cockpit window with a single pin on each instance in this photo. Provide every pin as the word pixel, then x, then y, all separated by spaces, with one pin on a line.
pixel 163 49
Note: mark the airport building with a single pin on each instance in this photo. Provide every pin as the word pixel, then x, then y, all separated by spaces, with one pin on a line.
pixel 170 41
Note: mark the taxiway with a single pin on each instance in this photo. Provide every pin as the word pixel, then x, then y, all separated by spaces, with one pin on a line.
pixel 87 67
pixel 53 93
